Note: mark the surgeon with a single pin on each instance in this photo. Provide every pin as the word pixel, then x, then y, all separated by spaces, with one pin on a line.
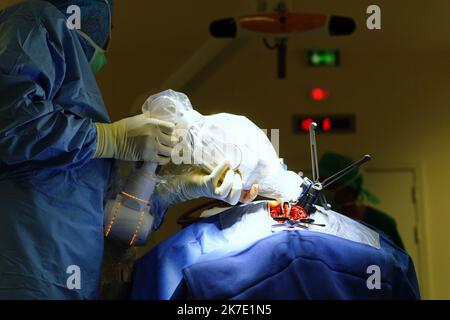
pixel 348 195
pixel 57 145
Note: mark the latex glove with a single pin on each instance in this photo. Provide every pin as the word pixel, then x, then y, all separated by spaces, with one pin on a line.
pixel 249 195
pixel 137 138
pixel 189 183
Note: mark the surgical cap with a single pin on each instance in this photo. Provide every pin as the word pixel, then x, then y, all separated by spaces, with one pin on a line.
pixel 331 163
pixel 95 17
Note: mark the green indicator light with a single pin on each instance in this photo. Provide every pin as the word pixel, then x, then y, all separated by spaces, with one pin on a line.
pixel 319 58
pixel 328 59
pixel 316 58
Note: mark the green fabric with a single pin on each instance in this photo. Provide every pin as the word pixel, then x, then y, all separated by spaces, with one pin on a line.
pixel 98 61
pixel 384 223
pixel 332 162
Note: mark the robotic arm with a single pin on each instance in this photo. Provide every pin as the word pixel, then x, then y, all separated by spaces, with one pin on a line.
pixel 296 214
pixel 128 218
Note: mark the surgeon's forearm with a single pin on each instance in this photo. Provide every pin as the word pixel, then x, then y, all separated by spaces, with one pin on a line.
pixel 55 140
pixel 104 148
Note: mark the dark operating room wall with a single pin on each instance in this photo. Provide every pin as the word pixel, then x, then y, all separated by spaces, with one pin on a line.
pixel 396 81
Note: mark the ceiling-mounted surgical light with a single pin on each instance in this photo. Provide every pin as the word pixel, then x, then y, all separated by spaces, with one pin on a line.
pixel 281 26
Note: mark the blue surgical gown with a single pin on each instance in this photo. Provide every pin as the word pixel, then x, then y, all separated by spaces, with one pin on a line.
pixel 52 190
pixel 235 255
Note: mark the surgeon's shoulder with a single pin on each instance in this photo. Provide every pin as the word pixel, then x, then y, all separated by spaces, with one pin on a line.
pixel 32 10
pixel 380 220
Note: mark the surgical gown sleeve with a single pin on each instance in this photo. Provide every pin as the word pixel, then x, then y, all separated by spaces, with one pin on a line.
pixel 41 122
pixel 53 193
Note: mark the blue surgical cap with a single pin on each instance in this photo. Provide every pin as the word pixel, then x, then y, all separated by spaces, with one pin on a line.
pixel 95 19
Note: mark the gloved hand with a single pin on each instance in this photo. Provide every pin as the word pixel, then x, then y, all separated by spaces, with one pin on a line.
pixel 137 138
pixel 248 196
pixel 189 183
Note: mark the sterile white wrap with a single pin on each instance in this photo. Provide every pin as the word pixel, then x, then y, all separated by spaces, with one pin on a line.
pixel 209 140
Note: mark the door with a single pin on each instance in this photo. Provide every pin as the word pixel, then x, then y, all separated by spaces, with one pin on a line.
pixel 396 191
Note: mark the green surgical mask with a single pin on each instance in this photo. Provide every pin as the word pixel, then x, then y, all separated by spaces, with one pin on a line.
pixel 98 60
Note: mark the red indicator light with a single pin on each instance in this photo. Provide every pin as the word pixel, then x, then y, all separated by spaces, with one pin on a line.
pixel 306 123
pixel 326 124
pixel 319 94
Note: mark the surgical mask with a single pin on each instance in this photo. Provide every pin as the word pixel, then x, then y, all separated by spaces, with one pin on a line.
pixel 98 60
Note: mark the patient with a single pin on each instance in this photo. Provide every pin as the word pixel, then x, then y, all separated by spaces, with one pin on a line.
pixel 349 196
pixel 206 261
